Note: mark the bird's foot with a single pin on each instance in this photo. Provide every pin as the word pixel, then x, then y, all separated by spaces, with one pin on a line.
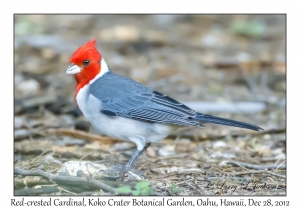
pixel 124 171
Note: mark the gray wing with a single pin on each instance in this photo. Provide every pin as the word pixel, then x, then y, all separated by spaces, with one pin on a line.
pixel 121 96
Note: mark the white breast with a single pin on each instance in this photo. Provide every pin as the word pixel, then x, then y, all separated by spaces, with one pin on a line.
pixel 119 127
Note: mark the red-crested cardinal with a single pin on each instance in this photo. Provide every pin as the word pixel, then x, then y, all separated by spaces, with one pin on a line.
pixel 127 110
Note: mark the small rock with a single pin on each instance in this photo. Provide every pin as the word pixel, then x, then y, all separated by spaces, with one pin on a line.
pixel 223 163
pixel 28 87
pixel 18 78
pixel 48 53
pixel 219 144
pixel 243 57
pixel 282 103
pixel 185 141
pixel 33 65
pixel 165 20
pixel 68 119
pixel 264 150
pixel 22 133
pixel 19 122
pixel 278 151
pixel 229 155
pixel 280 156
pixel 70 141
pixel 166 151
pixel 150 152
pixel 173 169
pixel 122 146
pixel 206 166
pixel 50 159
pixel 82 126
pixel 121 33
pixel 209 41
pixel 156 36
pixel 267 136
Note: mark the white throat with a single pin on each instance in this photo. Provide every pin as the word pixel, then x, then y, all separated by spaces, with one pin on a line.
pixel 104 69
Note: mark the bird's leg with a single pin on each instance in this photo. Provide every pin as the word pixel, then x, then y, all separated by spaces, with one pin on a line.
pixel 133 158
pixel 135 155
pixel 121 170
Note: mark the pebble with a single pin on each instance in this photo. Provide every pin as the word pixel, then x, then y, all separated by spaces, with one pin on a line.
pixel 166 151
pixel 150 152
pixel 120 33
pixel 122 146
pixel 82 126
pixel 206 166
pixel 19 122
pixel 18 78
pixel 28 87
pixel 48 53
pixel 223 163
pixel 219 144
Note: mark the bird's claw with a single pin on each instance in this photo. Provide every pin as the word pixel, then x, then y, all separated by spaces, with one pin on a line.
pixel 121 171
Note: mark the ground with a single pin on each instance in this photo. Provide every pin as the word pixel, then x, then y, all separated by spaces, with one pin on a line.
pixel 229 66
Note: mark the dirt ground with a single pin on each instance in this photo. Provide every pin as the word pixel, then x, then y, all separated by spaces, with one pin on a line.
pixel 231 66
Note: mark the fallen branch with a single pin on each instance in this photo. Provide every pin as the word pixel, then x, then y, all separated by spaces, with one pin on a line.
pixel 66 180
pixel 80 135
pixel 36 191
pixel 257 167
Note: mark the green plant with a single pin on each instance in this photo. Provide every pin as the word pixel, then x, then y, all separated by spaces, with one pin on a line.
pixel 141 188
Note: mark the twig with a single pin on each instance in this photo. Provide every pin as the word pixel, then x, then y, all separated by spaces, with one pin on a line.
pixel 181 171
pixel 275 174
pixel 90 153
pixel 280 165
pixel 194 186
pixel 228 159
pixel 35 180
pixel 66 191
pixel 257 172
pixel 66 180
pixel 246 172
pixel 81 135
pixel 258 167
pixel 217 178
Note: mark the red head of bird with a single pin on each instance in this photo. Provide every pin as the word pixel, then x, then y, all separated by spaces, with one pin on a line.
pixel 85 64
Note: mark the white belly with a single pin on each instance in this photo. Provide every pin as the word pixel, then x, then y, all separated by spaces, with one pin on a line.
pixel 119 127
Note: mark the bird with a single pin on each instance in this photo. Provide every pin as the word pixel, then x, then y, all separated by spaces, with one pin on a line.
pixel 126 110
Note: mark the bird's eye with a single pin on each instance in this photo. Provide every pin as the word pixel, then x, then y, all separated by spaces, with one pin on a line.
pixel 86 62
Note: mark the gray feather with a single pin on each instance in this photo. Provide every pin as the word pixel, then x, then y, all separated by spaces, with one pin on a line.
pixel 127 98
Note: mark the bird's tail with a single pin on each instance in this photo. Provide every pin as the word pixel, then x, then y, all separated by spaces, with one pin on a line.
pixel 206 118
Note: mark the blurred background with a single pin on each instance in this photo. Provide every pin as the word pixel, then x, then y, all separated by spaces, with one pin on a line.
pixel 231 66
